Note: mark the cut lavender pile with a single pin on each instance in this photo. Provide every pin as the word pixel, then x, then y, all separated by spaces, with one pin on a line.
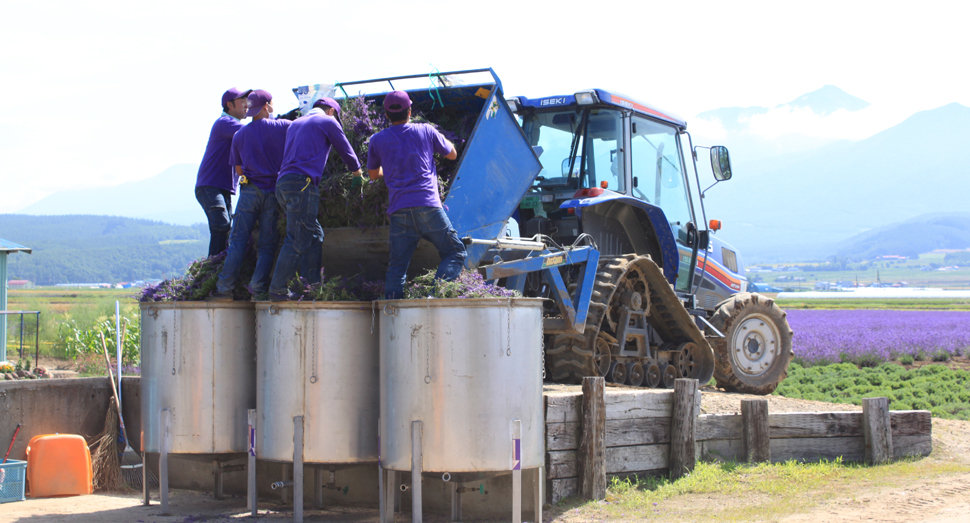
pixel 344 201
pixel 468 285
pixel 199 281
pixel 336 288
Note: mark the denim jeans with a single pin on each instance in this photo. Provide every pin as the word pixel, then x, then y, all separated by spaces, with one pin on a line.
pixel 301 249
pixel 254 206
pixel 217 204
pixel 408 226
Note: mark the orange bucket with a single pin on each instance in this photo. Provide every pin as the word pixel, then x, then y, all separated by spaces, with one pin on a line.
pixel 59 465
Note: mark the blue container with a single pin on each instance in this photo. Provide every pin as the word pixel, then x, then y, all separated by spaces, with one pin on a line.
pixel 12 479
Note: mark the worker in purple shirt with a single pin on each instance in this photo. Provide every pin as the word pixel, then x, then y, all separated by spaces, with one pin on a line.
pixel 256 155
pixel 214 185
pixel 403 154
pixel 308 144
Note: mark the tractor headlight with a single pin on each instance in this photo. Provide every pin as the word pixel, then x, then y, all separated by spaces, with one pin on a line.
pixel 586 98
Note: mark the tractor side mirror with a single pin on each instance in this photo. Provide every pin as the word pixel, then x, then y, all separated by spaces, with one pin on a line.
pixel 720 163
pixel 703 240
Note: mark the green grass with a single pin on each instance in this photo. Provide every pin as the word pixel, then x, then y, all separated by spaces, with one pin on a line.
pixel 57 306
pixel 746 492
pixel 943 391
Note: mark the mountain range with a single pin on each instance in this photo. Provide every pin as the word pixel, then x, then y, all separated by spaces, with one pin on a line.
pixel 802 205
pixel 166 197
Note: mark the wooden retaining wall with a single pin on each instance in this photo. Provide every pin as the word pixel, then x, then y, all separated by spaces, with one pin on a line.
pixel 638 436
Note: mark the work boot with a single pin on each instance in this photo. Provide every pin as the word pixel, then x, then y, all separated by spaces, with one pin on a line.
pixel 220 296
pixel 260 296
pixel 276 298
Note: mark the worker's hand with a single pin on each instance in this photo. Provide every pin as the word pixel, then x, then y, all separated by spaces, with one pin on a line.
pixel 358 179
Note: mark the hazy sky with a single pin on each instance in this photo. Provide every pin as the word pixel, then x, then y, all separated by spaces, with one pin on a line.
pixel 98 93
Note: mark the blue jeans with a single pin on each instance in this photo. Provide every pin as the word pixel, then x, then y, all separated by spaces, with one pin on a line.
pixel 301 249
pixel 408 226
pixel 217 204
pixel 254 206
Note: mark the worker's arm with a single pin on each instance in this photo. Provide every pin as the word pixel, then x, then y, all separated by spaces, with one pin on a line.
pixel 454 152
pixel 376 173
pixel 238 170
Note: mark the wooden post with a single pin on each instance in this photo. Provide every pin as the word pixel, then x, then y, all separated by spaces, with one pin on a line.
pixel 755 440
pixel 877 430
pixel 682 458
pixel 592 446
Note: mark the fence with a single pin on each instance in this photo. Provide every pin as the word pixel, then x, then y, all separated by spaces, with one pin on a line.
pixel 597 434
pixel 21 335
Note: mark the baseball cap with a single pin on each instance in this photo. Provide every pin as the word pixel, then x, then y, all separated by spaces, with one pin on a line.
pixel 327 102
pixel 233 94
pixel 396 101
pixel 258 99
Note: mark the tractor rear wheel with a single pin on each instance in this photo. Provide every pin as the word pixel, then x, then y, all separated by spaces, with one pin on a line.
pixel 754 353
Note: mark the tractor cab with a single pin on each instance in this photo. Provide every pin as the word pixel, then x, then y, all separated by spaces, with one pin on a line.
pixel 613 168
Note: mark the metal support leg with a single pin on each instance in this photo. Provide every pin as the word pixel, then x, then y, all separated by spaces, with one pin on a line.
pixel 298 469
pixel 537 493
pixel 144 472
pixel 390 493
pixel 252 496
pixel 455 501
pixel 287 477
pixel 318 487
pixel 416 464
pixel 395 479
pixel 516 471
pixel 217 470
pixel 163 460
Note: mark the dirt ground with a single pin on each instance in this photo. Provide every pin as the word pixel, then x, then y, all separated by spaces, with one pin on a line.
pixel 932 500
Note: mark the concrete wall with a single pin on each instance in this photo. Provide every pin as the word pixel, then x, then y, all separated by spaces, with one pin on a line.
pixel 79 406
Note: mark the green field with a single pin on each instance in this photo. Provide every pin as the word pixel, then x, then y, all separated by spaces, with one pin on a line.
pixel 60 305
pixel 886 271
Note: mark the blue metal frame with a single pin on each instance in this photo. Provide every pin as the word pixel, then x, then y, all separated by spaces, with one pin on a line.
pixel 573 308
pixel 665 237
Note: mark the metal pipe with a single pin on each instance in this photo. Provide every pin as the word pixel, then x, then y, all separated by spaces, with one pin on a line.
pixel 163 460
pixel 281 484
pixel 298 469
pixel 217 470
pixel 317 487
pixel 516 471
pixel 455 501
pixel 252 494
pixel 537 493
pixel 144 472
pixel 416 460
pixel 287 473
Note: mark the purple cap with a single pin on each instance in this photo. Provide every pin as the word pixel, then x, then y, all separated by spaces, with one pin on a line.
pixel 257 100
pixel 328 102
pixel 233 94
pixel 396 101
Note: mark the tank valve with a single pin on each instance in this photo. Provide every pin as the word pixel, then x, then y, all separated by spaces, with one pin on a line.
pixel 281 484
pixel 479 490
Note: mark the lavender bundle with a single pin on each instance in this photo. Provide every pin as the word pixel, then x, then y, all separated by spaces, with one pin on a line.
pixel 468 285
pixel 199 281
pixel 336 288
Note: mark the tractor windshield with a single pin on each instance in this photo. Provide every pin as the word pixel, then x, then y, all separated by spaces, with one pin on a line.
pixel 578 147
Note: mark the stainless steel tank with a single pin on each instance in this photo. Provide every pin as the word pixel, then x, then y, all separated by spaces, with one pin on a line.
pixel 198 360
pixel 465 368
pixel 318 360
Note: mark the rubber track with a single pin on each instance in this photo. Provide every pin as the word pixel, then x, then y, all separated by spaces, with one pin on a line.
pixel 571 356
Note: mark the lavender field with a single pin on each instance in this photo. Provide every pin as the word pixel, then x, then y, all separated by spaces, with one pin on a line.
pixel 873 336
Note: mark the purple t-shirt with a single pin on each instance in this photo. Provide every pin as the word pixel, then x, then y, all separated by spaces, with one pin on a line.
pixel 308 143
pixel 214 171
pixel 406 152
pixel 258 147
